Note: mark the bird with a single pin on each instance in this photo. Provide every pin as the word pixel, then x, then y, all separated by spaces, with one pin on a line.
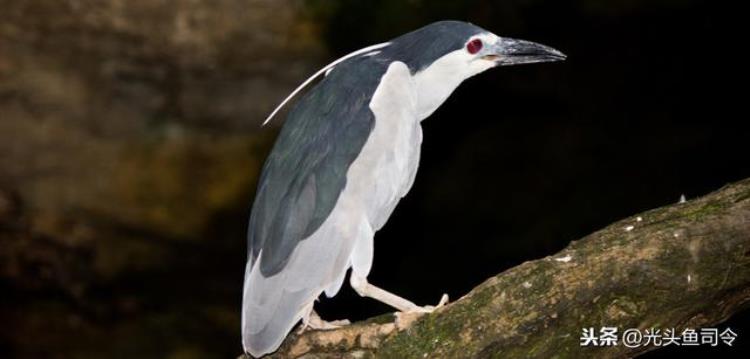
pixel 347 152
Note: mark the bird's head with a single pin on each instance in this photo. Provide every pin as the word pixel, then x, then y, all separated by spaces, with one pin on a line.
pixel 443 54
pixel 467 48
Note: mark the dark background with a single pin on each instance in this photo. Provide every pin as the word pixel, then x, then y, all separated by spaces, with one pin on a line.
pixel 131 144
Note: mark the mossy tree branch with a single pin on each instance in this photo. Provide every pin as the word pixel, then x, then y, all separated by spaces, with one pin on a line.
pixel 686 265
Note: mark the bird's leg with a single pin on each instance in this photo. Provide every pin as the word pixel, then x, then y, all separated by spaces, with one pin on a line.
pixel 365 289
pixel 313 321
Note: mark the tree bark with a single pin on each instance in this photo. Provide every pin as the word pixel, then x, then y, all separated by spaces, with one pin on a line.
pixel 685 265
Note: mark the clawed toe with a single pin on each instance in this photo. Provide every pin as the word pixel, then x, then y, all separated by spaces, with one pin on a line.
pixel 429 308
pixel 339 323
pixel 313 321
pixel 443 301
pixel 405 318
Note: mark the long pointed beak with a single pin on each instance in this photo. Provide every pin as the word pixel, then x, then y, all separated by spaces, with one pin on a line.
pixel 507 51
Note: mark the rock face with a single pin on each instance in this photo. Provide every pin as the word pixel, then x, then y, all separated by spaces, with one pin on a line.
pixel 126 129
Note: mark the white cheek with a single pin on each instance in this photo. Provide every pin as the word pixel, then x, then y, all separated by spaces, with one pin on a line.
pixel 477 65
pixel 436 82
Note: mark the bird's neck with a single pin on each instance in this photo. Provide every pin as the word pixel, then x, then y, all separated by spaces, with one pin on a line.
pixel 434 84
pixel 438 80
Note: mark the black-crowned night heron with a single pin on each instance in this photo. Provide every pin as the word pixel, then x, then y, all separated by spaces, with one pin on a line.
pixel 347 153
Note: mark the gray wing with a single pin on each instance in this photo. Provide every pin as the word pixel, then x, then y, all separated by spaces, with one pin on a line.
pixel 306 169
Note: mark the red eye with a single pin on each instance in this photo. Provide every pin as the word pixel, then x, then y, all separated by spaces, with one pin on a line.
pixel 474 46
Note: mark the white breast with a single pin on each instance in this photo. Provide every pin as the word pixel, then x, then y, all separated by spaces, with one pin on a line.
pixel 385 169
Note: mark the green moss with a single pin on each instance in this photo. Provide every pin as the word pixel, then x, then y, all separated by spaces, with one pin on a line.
pixel 381 319
pixel 697 211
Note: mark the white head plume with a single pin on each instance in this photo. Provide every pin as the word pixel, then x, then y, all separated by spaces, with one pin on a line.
pixel 325 70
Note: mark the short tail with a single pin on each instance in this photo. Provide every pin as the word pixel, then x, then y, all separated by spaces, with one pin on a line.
pixel 269 311
pixel 271 306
